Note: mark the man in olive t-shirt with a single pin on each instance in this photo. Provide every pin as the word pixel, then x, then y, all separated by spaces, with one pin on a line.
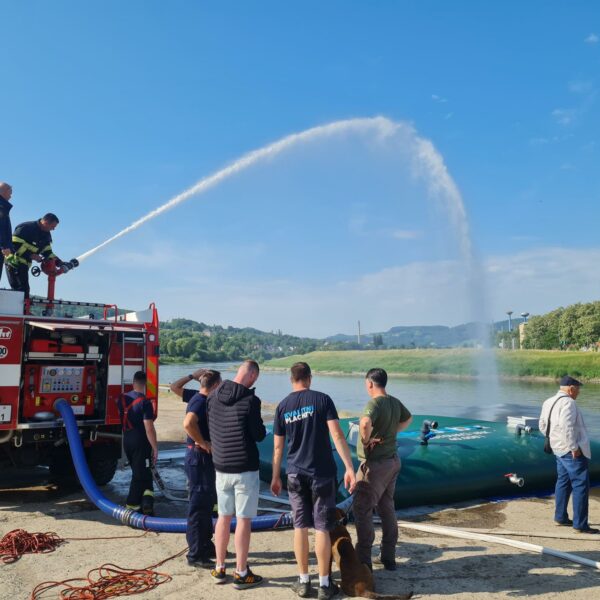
pixel 383 417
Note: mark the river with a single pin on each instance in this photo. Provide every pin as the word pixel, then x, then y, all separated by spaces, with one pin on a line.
pixel 451 398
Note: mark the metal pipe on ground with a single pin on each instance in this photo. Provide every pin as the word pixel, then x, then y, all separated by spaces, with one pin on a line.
pixel 483 537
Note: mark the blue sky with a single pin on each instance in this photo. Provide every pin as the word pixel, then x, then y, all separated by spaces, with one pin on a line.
pixel 111 108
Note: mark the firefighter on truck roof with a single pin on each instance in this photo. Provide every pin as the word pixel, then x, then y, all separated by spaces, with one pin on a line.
pixel 6 247
pixel 140 444
pixel 31 241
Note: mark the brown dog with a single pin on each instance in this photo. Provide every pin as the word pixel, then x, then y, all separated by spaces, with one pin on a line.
pixel 357 579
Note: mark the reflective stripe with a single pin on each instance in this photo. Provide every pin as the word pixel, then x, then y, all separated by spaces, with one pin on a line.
pixel 14 261
pixel 148 493
pixel 151 368
pixel 25 245
pixel 46 252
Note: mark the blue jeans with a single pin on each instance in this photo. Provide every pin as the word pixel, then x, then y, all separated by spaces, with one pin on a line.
pixel 573 476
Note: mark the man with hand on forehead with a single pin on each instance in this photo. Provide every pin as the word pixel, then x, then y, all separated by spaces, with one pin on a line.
pixel 200 471
pixel 178 387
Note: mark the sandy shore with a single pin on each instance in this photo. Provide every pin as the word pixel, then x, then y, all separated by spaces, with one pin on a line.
pixel 432 566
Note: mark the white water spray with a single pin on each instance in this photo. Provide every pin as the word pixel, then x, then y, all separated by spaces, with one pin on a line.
pixel 428 165
pixel 427 162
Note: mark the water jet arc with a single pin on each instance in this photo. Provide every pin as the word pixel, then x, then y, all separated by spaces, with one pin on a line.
pixel 428 165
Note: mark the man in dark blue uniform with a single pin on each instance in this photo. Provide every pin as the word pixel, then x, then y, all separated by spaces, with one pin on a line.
pixel 31 241
pixel 6 245
pixel 140 444
pixel 201 474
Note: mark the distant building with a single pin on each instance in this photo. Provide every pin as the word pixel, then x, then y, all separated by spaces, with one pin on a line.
pixel 522 333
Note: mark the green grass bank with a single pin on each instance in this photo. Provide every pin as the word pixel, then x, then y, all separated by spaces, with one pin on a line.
pixel 542 364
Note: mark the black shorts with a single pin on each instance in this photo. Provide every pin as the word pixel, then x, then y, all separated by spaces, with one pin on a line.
pixel 313 501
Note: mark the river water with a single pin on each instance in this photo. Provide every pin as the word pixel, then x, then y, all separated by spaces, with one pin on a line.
pixel 469 399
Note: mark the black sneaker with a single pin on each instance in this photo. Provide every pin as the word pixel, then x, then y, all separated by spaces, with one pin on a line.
pixel 250 580
pixel 203 563
pixel 326 592
pixel 567 521
pixel 219 576
pixel 304 590
pixel 148 505
pixel 388 565
pixel 587 530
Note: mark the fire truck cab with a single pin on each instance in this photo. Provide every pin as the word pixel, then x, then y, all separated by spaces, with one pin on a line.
pixel 89 360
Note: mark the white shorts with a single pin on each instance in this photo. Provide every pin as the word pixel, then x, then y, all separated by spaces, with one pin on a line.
pixel 237 493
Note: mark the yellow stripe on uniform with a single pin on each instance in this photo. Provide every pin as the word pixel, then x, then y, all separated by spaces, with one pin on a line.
pixel 25 245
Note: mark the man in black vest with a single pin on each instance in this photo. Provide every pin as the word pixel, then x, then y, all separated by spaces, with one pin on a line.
pixel 6 246
pixel 235 425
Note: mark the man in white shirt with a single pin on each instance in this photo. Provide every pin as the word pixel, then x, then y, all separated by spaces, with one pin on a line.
pixel 571 446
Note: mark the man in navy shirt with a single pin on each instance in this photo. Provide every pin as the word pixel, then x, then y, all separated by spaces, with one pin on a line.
pixel 140 444
pixel 307 418
pixel 201 474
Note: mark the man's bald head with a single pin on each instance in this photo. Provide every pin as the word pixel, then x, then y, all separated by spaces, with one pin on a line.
pixel 5 190
pixel 247 373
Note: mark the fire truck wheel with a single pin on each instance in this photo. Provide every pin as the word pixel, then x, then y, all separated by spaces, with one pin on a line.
pixel 102 462
pixel 102 469
pixel 62 470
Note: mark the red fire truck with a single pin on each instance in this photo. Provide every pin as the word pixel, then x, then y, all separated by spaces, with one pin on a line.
pixel 88 356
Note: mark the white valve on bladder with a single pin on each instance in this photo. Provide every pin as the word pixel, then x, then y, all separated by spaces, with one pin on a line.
pixel 523 428
pixel 514 478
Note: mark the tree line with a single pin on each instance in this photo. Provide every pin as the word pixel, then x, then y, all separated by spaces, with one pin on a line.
pixel 574 327
pixel 185 339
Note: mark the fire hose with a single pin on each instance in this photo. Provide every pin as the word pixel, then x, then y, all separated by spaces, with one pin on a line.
pixel 126 515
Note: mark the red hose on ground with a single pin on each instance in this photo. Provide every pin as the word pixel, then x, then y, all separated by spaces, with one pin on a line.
pixel 108 581
pixel 18 542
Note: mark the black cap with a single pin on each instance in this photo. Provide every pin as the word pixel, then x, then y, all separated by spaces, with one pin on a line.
pixel 567 381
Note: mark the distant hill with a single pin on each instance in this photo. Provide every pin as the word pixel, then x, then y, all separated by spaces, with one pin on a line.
pixel 185 339
pixel 425 336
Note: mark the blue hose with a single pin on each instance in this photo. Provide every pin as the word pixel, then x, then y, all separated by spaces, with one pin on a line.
pixel 126 515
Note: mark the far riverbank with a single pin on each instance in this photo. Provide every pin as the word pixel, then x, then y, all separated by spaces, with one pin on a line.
pixel 467 364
